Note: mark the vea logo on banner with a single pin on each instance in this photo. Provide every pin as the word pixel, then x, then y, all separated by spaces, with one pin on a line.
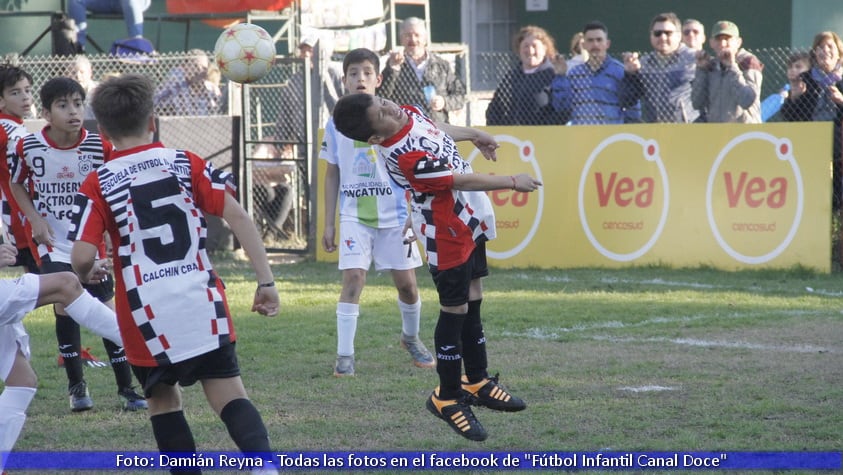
pixel 755 197
pixel 623 196
pixel 517 213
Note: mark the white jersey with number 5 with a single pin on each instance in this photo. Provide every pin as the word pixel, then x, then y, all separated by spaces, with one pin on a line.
pixel 171 304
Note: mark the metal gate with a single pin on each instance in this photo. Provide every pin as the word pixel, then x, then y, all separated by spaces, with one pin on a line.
pixel 277 150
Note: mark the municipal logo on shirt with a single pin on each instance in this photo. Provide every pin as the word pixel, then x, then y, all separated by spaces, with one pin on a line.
pixel 364 163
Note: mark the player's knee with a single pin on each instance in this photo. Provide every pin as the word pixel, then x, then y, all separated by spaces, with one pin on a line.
pixel 407 291
pixel 353 281
pixel 65 286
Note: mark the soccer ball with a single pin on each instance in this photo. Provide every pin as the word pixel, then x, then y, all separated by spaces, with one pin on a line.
pixel 244 52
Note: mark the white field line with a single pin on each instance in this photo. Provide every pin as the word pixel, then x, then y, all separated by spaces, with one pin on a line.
pixel 647 389
pixel 670 283
pixel 743 345
pixel 556 333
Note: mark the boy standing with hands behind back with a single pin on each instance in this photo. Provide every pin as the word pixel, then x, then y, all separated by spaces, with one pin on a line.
pixel 373 213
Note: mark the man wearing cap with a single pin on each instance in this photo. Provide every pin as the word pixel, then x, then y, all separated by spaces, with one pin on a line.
pixel 727 87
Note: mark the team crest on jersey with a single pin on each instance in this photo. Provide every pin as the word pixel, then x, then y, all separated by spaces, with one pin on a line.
pixel 364 163
pixel 350 243
pixel 86 164
pixel 65 173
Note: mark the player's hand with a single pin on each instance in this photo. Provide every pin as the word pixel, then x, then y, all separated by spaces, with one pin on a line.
pixel 524 182
pixel 266 301
pixel 408 232
pixel 42 233
pixel 8 255
pixel 487 145
pixel 328 235
pixel 99 272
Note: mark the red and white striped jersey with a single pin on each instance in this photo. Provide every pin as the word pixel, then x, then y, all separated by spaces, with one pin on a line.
pixel 171 304
pixel 54 175
pixel 14 230
pixel 424 159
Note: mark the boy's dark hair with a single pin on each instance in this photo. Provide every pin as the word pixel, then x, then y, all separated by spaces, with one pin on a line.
pixel 350 116
pixel 123 105
pixel 11 75
pixel 799 55
pixel 360 55
pixel 595 25
pixel 59 88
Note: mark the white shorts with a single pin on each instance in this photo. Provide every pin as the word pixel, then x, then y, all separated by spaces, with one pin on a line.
pixel 360 245
pixel 17 298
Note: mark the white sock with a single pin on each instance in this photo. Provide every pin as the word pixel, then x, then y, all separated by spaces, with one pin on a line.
pixel 14 400
pixel 410 317
pixel 95 316
pixel 347 314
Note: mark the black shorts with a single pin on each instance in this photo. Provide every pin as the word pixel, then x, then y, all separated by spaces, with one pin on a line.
pixel 26 259
pixel 216 364
pixel 453 284
pixel 104 291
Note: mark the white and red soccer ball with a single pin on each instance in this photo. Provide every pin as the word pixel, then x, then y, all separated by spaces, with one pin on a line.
pixel 244 52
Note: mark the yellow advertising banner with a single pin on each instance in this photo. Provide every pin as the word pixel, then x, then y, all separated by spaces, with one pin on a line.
pixel 728 196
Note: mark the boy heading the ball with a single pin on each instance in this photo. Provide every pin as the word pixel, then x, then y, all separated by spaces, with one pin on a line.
pixel 171 304
pixel 454 219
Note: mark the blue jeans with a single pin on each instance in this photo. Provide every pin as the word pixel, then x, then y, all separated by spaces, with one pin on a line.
pixel 132 11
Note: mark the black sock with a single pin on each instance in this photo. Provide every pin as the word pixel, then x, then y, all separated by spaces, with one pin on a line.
pixel 70 347
pixel 172 434
pixel 119 364
pixel 447 339
pixel 245 426
pixel 474 344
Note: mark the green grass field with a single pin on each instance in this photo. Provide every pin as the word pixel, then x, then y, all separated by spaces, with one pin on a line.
pixel 623 360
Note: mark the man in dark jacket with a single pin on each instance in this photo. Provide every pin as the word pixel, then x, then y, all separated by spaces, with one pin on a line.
pixel 415 76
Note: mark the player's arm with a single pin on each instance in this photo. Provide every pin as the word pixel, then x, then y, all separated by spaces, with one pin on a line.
pixel 484 182
pixel 332 184
pixel 266 300
pixel 42 233
pixel 484 141
pixel 83 259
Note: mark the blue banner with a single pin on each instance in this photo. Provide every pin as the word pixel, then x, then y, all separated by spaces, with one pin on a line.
pixel 430 461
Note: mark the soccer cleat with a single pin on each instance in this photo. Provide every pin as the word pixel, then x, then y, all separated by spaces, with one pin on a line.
pixel 421 356
pixel 344 366
pixel 80 398
pixel 492 395
pixel 132 401
pixel 457 413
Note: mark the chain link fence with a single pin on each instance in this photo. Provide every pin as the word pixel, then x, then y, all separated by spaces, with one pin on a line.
pixel 258 132
pixel 272 150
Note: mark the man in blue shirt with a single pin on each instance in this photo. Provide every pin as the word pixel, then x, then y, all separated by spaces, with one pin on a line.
pixel 593 92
